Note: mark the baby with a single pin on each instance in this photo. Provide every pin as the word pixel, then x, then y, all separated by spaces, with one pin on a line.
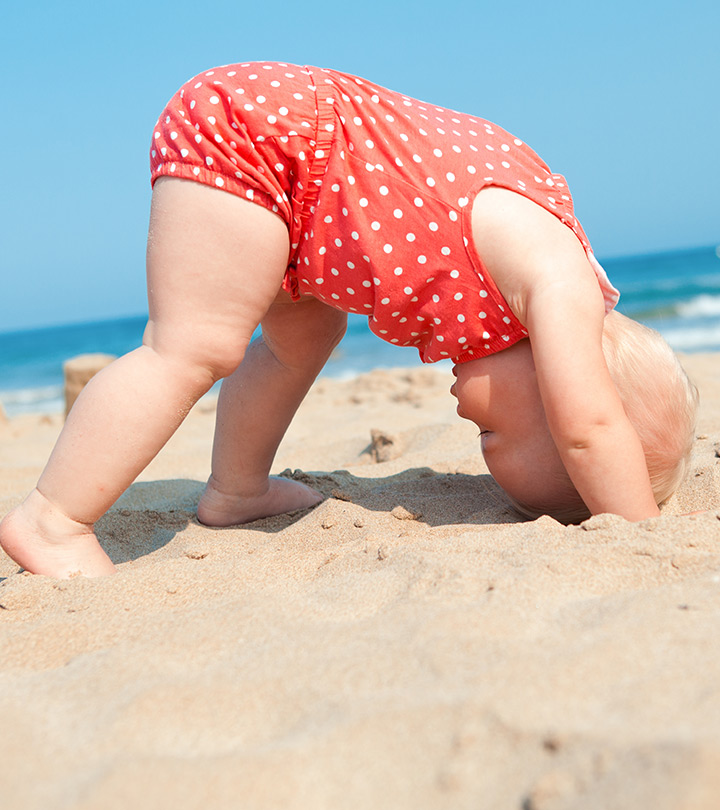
pixel 288 196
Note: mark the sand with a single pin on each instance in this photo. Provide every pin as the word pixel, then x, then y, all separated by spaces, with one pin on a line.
pixel 409 643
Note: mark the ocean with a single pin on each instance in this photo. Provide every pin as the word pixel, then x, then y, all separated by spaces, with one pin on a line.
pixel 676 293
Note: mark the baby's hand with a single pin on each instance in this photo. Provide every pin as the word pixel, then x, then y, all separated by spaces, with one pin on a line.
pixel 282 495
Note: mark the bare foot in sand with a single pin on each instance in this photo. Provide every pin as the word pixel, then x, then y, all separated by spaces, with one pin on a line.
pixel 281 495
pixel 43 540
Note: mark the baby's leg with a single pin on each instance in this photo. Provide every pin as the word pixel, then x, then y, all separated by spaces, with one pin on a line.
pixel 215 264
pixel 255 408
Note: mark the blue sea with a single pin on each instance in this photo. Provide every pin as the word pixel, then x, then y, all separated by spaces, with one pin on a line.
pixel 676 293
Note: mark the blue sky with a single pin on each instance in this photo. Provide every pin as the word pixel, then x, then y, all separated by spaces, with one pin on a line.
pixel 621 97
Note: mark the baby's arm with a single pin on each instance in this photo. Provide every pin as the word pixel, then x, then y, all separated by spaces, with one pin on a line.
pixel 255 408
pixel 541 268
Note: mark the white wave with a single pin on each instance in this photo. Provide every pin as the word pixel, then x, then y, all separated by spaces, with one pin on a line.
pixel 702 305
pixel 47 399
pixel 693 339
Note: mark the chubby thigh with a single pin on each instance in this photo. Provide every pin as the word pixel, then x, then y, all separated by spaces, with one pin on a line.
pixel 215 265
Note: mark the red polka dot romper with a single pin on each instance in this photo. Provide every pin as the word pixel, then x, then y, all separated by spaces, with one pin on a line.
pixel 376 189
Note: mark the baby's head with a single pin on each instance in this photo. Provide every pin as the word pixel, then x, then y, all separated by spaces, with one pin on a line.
pixel 500 394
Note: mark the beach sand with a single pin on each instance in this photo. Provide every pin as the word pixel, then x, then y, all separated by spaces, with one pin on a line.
pixel 409 643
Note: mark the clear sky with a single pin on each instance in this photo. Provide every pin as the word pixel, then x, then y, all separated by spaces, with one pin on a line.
pixel 620 96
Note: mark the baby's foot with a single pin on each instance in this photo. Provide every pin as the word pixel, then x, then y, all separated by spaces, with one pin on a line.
pixel 281 495
pixel 43 540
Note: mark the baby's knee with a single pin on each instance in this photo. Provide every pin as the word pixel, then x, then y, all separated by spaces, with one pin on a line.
pixel 303 334
pixel 210 354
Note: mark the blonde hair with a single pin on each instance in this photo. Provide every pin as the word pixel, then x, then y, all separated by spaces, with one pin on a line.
pixel 660 402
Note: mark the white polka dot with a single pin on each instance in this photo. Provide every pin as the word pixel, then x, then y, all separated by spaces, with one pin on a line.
pixel 351 180
pixel 445 251
pixel 437 152
pixel 418 202
pixel 384 190
pixel 338 242
pixel 375 225
pixel 397 213
pixel 408 291
pixel 351 291
pixel 398 271
pixel 454 274
pixel 451 177
pixel 362 202
pixel 387 248
pixel 461 318
pixel 335 187
pixel 433 226
pixel 410 237
pixel 328 218
pixel 422 259
pixel 458 296
pixel 430 181
pixel 385 301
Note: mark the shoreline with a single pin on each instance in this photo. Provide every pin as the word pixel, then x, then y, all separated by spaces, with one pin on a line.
pixel 373 650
